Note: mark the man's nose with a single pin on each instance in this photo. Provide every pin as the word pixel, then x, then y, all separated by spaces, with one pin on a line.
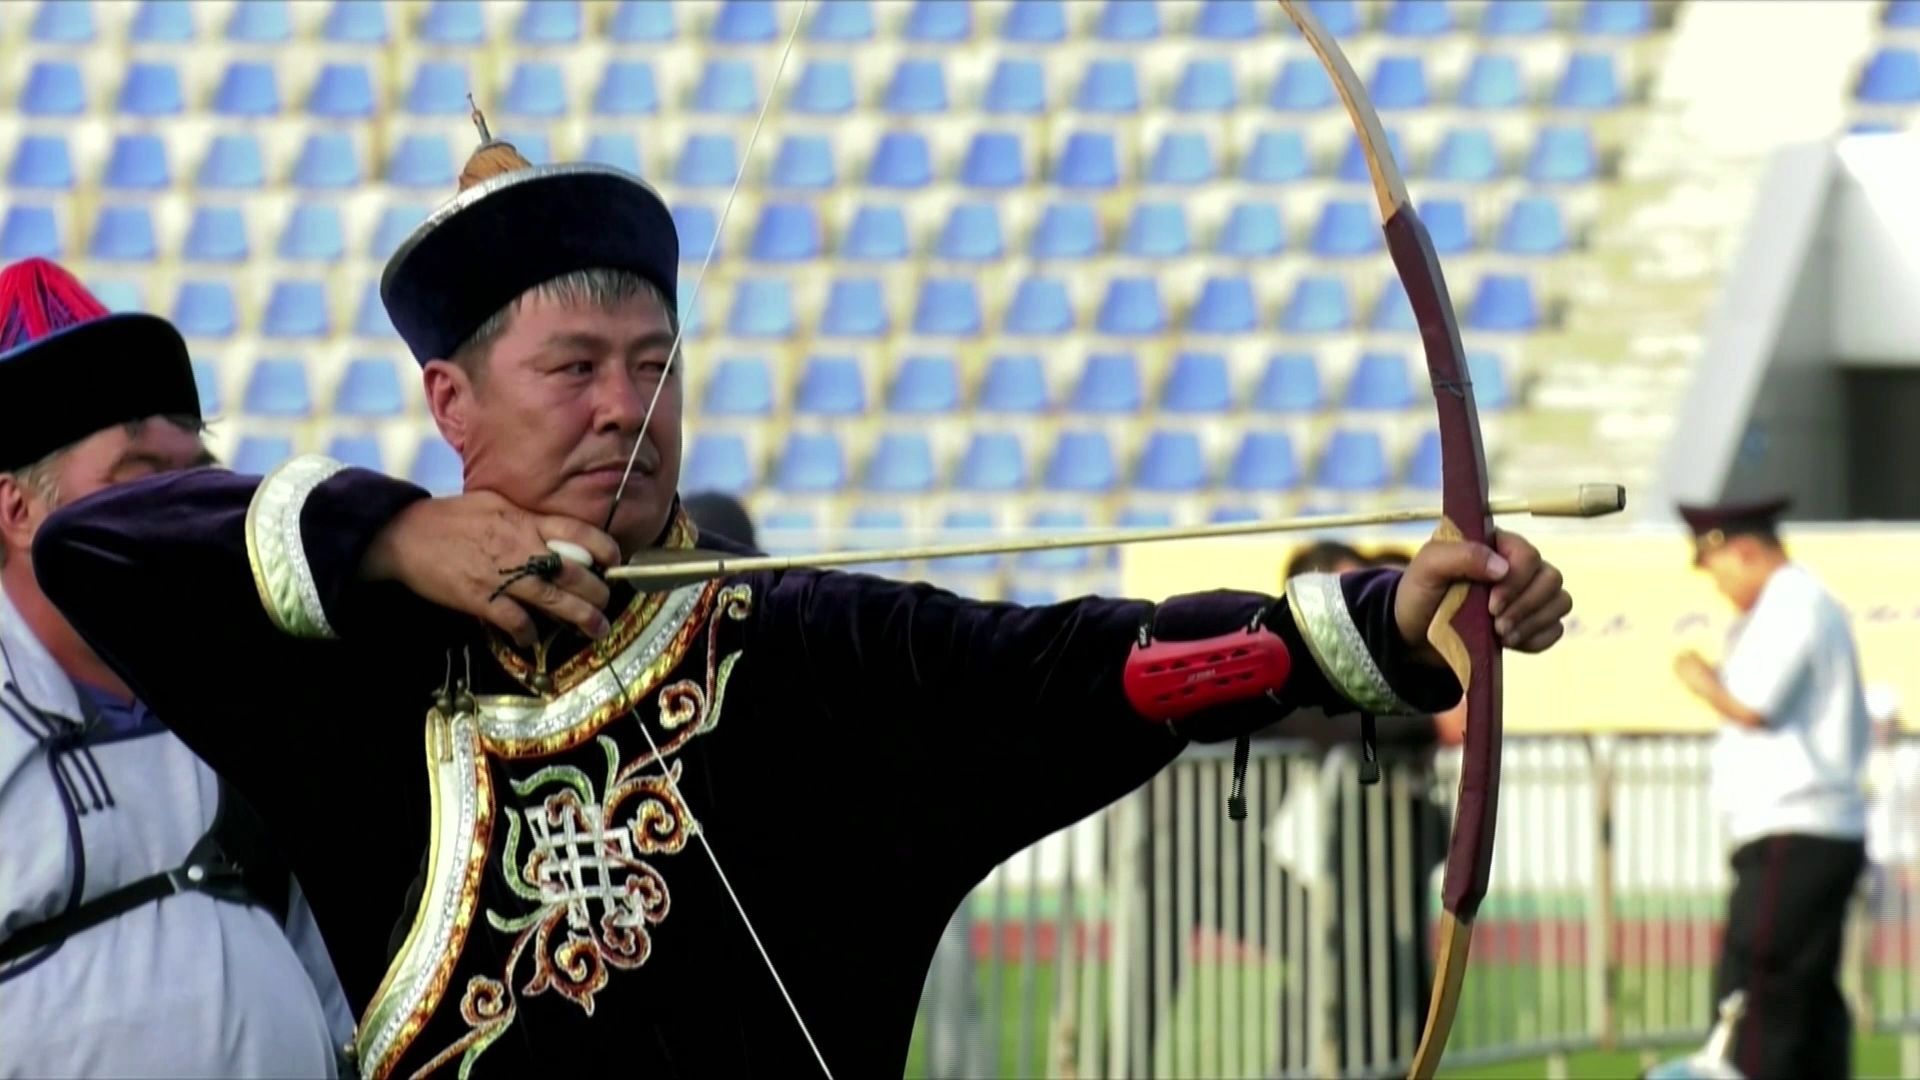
pixel 621 404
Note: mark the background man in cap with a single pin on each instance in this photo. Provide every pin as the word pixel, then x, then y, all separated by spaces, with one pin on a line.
pixel 106 966
pixel 1789 775
pixel 862 751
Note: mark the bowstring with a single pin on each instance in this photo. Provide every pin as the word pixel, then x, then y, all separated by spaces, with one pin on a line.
pixel 673 355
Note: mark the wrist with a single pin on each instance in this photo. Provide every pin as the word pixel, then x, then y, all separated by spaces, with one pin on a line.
pixel 383 559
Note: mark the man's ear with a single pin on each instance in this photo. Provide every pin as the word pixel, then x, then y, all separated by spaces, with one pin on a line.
pixel 449 393
pixel 16 516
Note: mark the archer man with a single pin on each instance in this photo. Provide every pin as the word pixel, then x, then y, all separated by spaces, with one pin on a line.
pixel 546 824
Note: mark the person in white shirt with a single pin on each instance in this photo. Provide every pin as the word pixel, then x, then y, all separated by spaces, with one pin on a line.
pixel 1789 777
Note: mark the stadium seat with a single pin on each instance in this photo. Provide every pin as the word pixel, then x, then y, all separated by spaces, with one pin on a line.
pixel 1589 82
pixel 786 232
pixel 1128 20
pixel 830 386
pixel 969 527
pixel 1171 462
pixel 1891 77
pixel 739 386
pixel 1354 461
pixel 918 85
pixel 397 222
pixel 902 463
pixel 1290 383
pixel 762 308
pixel 1226 305
pixel 313 233
pixel 343 92
pixel 992 461
pixel 138 163
pixel 296 308
pixel 1493 82
pixel 1156 230
pixel 117 295
pixel 370 318
pixel 698 226
pixel 1264 461
pixel 877 234
pixel 1418 18
pixel 1347 227
pixel 1302 86
pixel 1035 22
pixel 1466 155
pixel 844 23
pixel 1381 382
pixel 707 159
pixel 217 234
pixel 1353 164
pixel 1109 384
pixel 1040 308
pixel 1227 20
pixel 535 89
pixel 926 384
pixel 1276 157
pixel 277 388
pixel 947 307
pixel 439 88
pixel 1516 18
pixel 1901 15
pixel 28 231
pixel 204 309
pixel 744 22
pixel 971 233
pixel 422 161
pixel 355 22
pixel 1232 515
pixel 357 451
pixel 718 462
pixel 1014 384
pixel 1318 305
pixel 1031 596
pixel 1491 390
pixel 1017 86
pixel 1503 302
pixel 53 88
pixel 260 22
pixel 1563 154
pixel 1181 158
pixel 327 162
pixel 123 234
pixel 726 87
pixel 549 22
pixel 258 455
pixel 158 22
pixel 875 527
pixel 437 467
pixel 1392 310
pixel 1447 228
pixel 1423 465
pixel 247 88
pixel 1616 18
pixel 1089 160
pixel 638 22
pixel 617 149
pixel 902 161
pixel 1399 81
pixel 1197 383
pixel 369 388
pixel 453 22
pixel 1206 85
pixel 62 23
pixel 1131 307
pixel 939 21
pixel 811 462
pixel 233 163
pixel 804 162
pixel 825 88
pixel 626 88
pixel 993 160
pixel 41 162
pixel 206 379
pixel 1533 226
pixel 1252 230
pixel 1067 230
pixel 1082 461
pixel 856 308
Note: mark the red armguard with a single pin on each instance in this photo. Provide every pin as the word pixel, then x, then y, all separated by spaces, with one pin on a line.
pixel 1172 680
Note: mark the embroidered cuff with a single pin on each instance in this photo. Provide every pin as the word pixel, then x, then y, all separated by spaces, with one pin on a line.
pixel 1319 608
pixel 277 552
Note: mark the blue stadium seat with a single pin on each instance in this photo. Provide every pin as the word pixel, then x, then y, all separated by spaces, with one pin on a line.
pixel 830 386
pixel 247 88
pixel 943 21
pixel 205 309
pixel 1353 164
pixel 1128 20
pixel 421 161
pixel 1232 515
pixel 1491 389
pixel 992 461
pixel 277 387
pixel 1171 461
pixel 1504 302
pixel 926 384
pixel 1353 461
pixel 343 92
pixel 1381 382
pixel 739 386
pixel 947 307
pixel 1563 154
pixel 1082 461
pixel 1031 596
pixel 1493 82
pixel 1276 157
pixel 1318 305
pixel 370 318
pixel 1157 229
pixel 902 160
pixel 856 308
pixel 1131 307
pixel 762 308
pixel 615 148
pixel 1035 22
pixel 1533 227
pixel 206 379
pixel 327 162
pixel 1056 522
pixel 1418 18
pixel 53 88
pixel 804 162
pixel 1264 461
pixel 260 22
pixel 369 387
pixel 1891 77
pixel 1109 383
pixel 637 22
pixel 1423 465
pixel 707 159
pixel 1347 227
pixel 151 89
pixel 1181 158
pixel 1206 85
pixel 1589 82
pixel 726 87
pixel 786 232
pixel 217 234
pixel 355 22
pixel 994 160
pixel 1014 384
pixel 28 231
pixel 1516 18
pixel 1616 18
pixel 825 88
pixel 902 462
pixel 844 23
pixel 967 527
pixel 535 89
pixel 1225 306
pixel 397 222
pixel 437 467
pixel 1446 221
pixel 811 462
pixel 1392 310
pixel 918 85
pixel 138 163
pixel 745 22
pixel 117 295
pixel 1089 160
pixel 439 88
pixel 62 23
pixel 627 88
pixel 1227 20
pixel 296 308
pixel 1067 230
pixel 1901 15
pixel 1466 155
pixel 1109 85
pixel 233 163
pixel 1400 82
pixel 1302 86
pixel 1197 383
pixel 160 22
pixel 357 451
pixel 718 462
pixel 123 234
pixel 877 234
pixel 1875 127
pixel 549 22
pixel 43 162
pixel 1018 86
pixel 453 22
pixel 1040 308
pixel 1289 384
pixel 971 233
pixel 1252 230
pixel 313 232
pixel 258 455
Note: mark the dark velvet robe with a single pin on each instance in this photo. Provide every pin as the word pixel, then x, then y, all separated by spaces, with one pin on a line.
pixel 861 753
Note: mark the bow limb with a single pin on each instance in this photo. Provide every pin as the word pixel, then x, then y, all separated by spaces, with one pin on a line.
pixel 1462 631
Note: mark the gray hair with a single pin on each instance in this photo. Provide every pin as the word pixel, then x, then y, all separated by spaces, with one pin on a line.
pixel 601 288
pixel 42 478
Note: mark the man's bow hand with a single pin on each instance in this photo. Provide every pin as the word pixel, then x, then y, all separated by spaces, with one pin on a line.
pixel 458 552
pixel 1529 600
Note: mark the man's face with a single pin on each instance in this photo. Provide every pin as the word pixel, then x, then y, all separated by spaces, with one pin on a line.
pixel 1737 571
pixel 101 460
pixel 558 402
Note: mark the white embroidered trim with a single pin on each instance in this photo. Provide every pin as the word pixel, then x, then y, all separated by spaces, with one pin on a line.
pixel 277 551
pixel 1320 614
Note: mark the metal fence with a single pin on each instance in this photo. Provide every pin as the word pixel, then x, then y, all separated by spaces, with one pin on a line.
pixel 1161 939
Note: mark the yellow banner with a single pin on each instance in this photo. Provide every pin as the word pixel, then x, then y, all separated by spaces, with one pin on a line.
pixel 1637 602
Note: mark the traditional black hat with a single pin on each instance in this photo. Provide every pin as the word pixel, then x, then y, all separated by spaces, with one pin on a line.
pixel 514 226
pixel 1713 526
pixel 69 368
